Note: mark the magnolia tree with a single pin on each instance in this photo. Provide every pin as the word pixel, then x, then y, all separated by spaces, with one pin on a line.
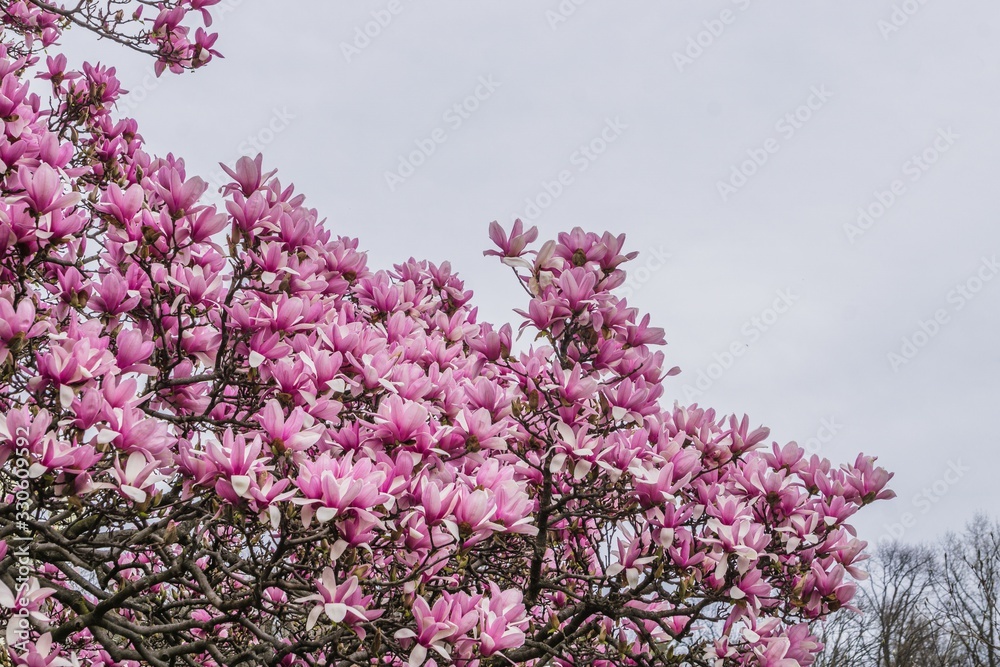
pixel 225 440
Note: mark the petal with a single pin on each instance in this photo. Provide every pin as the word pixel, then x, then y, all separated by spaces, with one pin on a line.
pixel 241 485
pixel 516 262
pixel 324 514
pixel 336 611
pixel 66 396
pixel 566 433
pixel 417 656
pixel 313 617
pixel 135 465
pixel 138 495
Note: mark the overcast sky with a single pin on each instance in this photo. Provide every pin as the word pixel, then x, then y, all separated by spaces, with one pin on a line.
pixel 811 184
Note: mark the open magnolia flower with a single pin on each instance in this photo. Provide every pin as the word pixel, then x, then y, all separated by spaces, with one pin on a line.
pixel 225 440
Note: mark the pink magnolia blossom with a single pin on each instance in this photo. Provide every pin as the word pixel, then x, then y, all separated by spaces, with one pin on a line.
pixel 513 245
pixel 237 442
pixel 342 603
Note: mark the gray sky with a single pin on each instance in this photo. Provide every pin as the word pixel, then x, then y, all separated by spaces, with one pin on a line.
pixel 733 141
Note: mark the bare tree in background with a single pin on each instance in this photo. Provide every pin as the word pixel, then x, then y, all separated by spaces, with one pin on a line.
pixel 900 623
pixel 969 591
pixel 924 606
pixel 903 618
pixel 843 638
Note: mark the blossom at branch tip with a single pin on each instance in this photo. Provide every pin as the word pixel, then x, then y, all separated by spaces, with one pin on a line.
pixel 511 246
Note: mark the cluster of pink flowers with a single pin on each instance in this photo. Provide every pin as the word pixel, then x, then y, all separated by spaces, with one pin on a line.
pixel 167 36
pixel 225 440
